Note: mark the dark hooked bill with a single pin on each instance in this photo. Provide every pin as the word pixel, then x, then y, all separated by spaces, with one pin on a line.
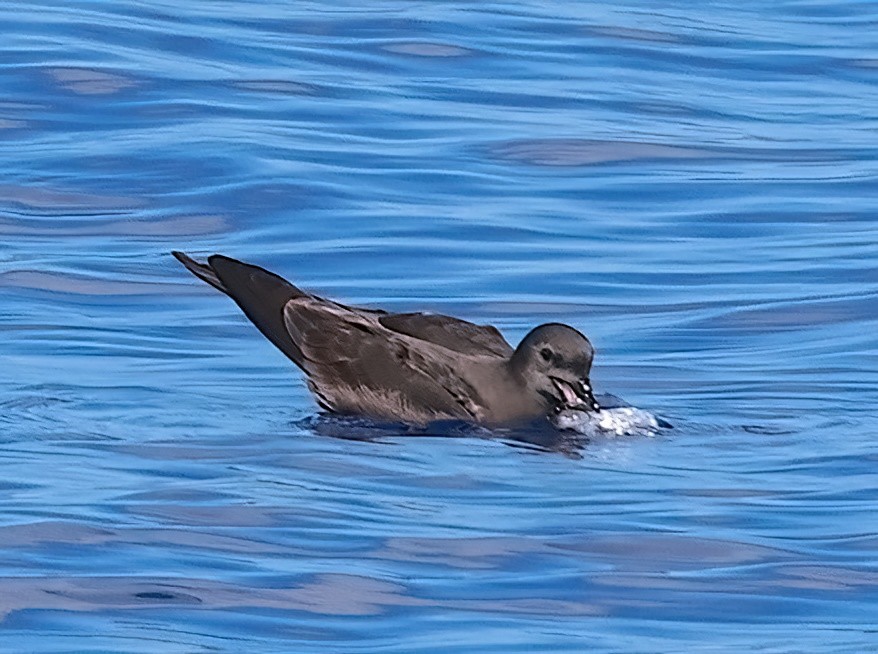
pixel 577 395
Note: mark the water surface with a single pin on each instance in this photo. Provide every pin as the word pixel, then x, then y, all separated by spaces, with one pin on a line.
pixel 693 186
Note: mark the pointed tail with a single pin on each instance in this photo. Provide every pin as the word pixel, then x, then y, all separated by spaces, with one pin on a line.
pixel 261 294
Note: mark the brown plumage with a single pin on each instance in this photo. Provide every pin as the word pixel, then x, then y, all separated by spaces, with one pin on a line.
pixel 412 367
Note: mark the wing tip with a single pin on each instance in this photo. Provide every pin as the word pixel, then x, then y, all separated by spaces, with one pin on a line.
pixel 203 271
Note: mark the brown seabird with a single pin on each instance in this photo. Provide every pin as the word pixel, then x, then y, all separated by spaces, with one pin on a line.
pixel 412 367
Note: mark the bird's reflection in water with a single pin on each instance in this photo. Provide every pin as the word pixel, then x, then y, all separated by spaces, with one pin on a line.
pixel 538 435
pixel 541 435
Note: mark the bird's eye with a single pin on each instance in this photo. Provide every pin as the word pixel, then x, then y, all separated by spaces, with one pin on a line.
pixel 546 353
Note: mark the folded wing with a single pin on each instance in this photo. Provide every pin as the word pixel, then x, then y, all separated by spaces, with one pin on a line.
pixel 448 332
pixel 357 365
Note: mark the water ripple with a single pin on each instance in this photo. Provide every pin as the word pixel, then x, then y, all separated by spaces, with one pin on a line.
pixel 691 185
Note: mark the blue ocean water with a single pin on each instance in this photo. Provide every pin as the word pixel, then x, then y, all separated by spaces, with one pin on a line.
pixel 693 185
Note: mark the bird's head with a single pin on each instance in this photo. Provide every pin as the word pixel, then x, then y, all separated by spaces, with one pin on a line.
pixel 554 361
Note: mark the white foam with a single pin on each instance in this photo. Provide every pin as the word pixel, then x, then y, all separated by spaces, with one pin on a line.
pixel 618 421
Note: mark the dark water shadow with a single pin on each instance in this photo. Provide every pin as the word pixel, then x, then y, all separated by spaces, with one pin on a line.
pixel 537 435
